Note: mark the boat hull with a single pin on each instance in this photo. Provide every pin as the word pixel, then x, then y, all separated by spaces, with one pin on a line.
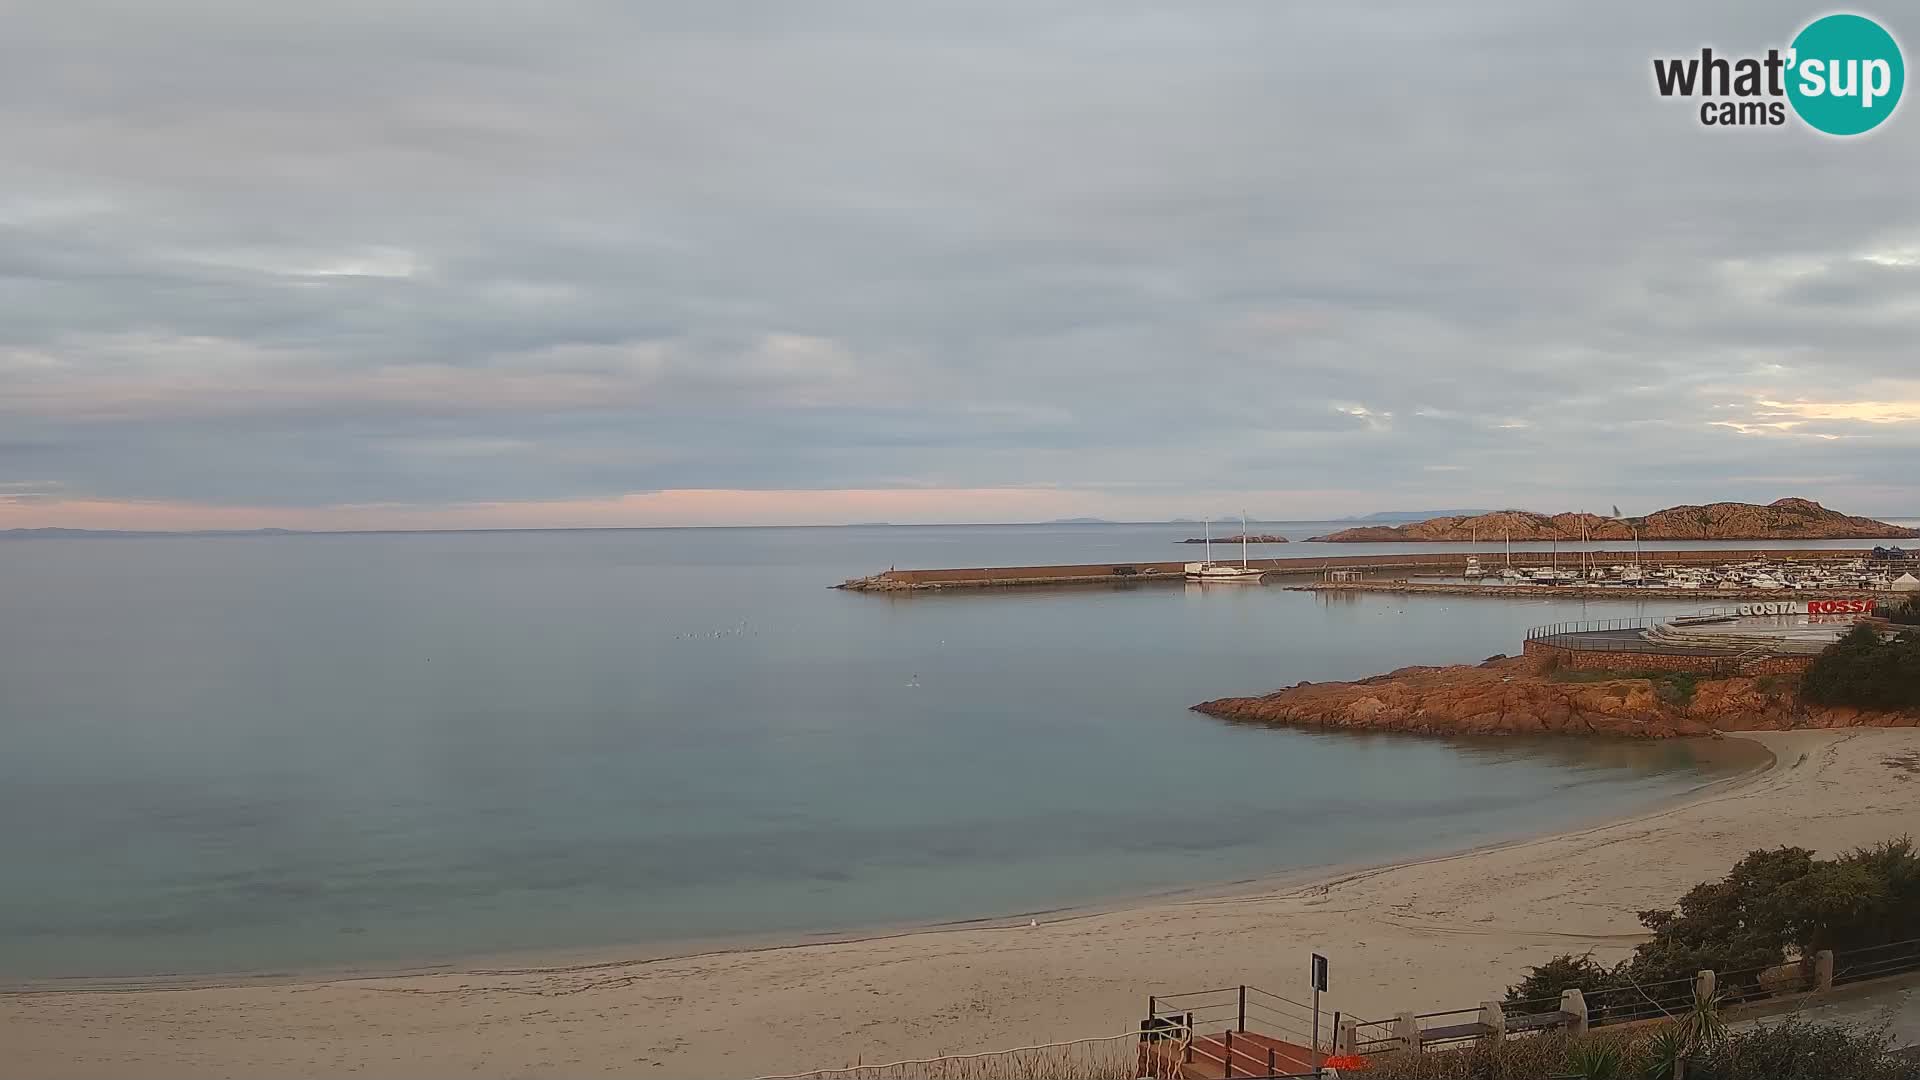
pixel 1210 573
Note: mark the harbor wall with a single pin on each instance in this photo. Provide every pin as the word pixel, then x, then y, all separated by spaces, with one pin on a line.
pixel 1697 663
pixel 1434 562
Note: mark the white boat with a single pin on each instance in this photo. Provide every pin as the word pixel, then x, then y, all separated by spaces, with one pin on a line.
pixel 1210 572
pixel 1474 569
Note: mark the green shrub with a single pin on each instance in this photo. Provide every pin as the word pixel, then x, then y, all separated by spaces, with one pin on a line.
pixel 1672 687
pixel 1867 672
pixel 1789 1050
pixel 1796 1050
pixel 1540 991
pixel 1771 906
pixel 1597 1059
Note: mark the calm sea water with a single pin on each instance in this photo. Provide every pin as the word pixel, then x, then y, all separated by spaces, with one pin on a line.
pixel 273 753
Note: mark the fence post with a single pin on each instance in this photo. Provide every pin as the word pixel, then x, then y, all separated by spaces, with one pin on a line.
pixel 1229 1055
pixel 1346 1036
pixel 1494 1019
pixel 1703 986
pixel 1406 1028
pixel 1574 1004
pixel 1242 1026
pixel 1823 970
pixel 1273 1063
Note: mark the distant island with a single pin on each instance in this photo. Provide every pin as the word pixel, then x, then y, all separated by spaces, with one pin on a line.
pixel 1251 538
pixel 1784 519
pixel 116 534
pixel 1412 515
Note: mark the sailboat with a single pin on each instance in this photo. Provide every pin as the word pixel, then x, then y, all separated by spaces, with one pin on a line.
pixel 1508 573
pixel 1210 571
pixel 1474 569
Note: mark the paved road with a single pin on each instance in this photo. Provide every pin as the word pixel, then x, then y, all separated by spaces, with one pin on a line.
pixel 1896 1008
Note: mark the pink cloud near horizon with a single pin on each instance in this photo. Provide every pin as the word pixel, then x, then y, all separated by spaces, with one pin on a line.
pixel 657 508
pixel 675 507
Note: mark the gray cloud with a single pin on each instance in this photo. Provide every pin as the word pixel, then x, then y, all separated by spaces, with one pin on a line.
pixel 434 253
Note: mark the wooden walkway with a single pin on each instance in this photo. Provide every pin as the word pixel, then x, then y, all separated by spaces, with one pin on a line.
pixel 1240 1054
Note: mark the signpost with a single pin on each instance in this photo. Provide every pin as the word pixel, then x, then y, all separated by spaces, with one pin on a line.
pixel 1319 985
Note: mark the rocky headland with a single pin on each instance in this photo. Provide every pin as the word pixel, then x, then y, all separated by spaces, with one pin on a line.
pixel 1525 696
pixel 1783 519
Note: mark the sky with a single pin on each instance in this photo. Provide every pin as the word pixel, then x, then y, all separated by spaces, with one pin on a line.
pixel 433 264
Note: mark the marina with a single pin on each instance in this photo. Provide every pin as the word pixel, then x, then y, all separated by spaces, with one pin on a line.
pixel 1685 573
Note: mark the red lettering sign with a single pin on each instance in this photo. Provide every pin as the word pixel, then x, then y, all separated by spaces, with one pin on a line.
pixel 1839 607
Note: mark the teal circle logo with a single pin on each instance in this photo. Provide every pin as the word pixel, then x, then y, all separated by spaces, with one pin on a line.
pixel 1846 74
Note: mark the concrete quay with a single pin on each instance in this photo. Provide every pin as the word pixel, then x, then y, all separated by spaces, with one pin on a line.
pixel 1437 563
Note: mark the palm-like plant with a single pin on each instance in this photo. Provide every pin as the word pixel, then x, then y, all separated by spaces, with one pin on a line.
pixel 1597 1060
pixel 1686 1048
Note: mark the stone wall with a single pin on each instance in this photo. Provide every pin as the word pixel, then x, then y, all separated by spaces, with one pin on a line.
pixel 1595 660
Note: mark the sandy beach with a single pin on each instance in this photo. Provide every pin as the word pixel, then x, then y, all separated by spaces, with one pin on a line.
pixel 1442 932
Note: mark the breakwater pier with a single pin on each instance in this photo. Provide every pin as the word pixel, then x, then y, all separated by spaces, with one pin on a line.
pixel 1437 564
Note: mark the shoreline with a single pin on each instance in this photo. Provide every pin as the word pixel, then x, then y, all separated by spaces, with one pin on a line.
pixel 1443 931
pixel 549 961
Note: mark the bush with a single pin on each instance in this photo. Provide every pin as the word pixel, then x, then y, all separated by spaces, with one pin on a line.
pixel 1540 991
pixel 1867 672
pixel 1797 1050
pixel 1771 906
pixel 1673 687
pixel 1791 1050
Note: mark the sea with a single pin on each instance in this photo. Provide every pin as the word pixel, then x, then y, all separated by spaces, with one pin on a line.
pixel 253 755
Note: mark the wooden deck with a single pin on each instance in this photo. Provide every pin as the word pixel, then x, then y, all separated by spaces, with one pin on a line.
pixel 1241 1054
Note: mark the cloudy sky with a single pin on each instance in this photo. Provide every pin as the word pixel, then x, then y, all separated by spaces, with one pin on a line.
pixel 377 263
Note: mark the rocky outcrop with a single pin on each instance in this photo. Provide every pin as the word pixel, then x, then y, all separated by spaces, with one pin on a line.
pixel 1520 696
pixel 1254 538
pixel 1784 519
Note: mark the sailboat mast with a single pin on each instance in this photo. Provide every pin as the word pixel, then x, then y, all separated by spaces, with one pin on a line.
pixel 1243 539
pixel 1209 526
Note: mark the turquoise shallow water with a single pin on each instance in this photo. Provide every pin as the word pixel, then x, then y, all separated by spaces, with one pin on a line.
pixel 276 753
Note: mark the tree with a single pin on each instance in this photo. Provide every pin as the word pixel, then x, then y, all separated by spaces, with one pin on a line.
pixel 1540 991
pixel 1866 672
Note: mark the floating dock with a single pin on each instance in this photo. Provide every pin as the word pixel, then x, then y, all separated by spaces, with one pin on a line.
pixel 1439 564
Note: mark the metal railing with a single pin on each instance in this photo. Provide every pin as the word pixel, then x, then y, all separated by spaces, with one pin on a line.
pixel 1876 962
pixel 1234 1028
pixel 1242 1008
pixel 1589 626
pixel 1530 1006
pixel 1643 1001
pixel 1375 1036
pixel 1453 1026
